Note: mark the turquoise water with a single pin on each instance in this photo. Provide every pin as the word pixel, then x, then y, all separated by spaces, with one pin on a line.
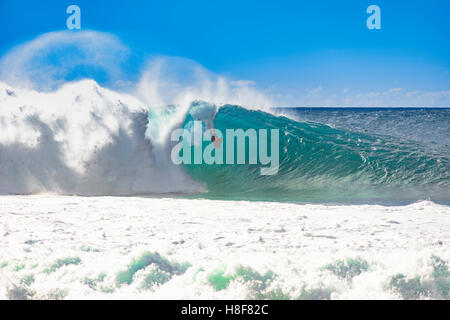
pixel 330 162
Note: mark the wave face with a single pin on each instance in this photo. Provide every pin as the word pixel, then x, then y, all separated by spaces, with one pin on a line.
pixel 87 140
pixel 320 163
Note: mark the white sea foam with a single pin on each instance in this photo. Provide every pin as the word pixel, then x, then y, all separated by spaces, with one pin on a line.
pixel 81 139
pixel 88 140
pixel 293 241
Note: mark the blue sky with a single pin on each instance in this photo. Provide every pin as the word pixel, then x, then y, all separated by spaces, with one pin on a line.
pixel 317 53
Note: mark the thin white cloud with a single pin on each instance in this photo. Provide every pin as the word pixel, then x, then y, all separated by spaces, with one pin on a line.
pixel 397 97
pixel 316 90
pixel 242 83
pixel 394 97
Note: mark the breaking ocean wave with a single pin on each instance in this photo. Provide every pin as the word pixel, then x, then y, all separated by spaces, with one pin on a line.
pixel 84 139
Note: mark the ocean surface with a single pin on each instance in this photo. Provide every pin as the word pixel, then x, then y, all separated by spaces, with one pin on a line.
pixel 92 205
pixel 102 142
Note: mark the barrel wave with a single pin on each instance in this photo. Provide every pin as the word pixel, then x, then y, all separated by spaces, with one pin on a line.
pixel 319 163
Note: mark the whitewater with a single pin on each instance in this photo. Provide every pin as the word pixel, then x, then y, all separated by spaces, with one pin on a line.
pixel 81 139
pixel 71 247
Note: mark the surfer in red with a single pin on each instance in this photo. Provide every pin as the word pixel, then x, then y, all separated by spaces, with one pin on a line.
pixel 216 141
